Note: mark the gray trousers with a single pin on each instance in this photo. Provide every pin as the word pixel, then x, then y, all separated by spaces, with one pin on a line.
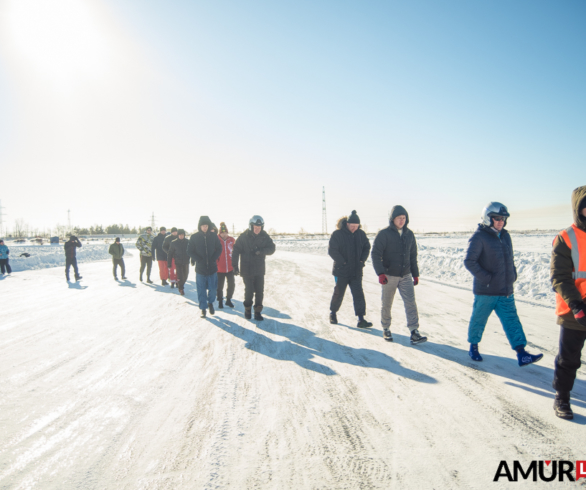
pixel 407 292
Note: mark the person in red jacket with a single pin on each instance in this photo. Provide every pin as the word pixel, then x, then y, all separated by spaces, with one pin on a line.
pixel 225 270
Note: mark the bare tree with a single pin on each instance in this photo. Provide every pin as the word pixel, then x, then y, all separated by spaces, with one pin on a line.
pixel 19 228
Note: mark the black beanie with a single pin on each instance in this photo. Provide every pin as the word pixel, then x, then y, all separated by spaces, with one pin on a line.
pixel 117 239
pixel 181 231
pixel 173 229
pixel 354 218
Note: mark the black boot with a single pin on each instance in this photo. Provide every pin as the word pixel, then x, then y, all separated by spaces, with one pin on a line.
pixel 115 278
pixel 229 303
pixel 333 318
pixel 248 312
pixel 78 277
pixel 149 280
pixel 561 406
pixel 172 285
pixel 220 304
pixel 211 308
pixel 165 283
pixel 203 313
pixel 141 278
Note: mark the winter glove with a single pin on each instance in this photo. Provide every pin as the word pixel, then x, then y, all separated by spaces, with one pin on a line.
pixel 382 278
pixel 579 310
pixel 415 281
pixel 236 271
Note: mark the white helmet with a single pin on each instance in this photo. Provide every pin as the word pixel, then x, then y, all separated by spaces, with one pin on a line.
pixel 493 209
pixel 256 220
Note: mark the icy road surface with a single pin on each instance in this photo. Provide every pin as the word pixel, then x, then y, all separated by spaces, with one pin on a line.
pixel 107 385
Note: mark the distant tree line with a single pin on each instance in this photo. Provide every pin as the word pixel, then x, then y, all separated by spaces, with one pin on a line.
pixel 109 230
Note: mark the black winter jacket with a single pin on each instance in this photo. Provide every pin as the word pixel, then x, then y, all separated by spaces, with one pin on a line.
pixel 167 242
pixel 158 251
pixel 71 248
pixel 349 251
pixel 251 250
pixel 395 254
pixel 204 249
pixel 178 251
pixel 490 260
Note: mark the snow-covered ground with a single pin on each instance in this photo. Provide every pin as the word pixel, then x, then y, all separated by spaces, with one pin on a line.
pixel 120 385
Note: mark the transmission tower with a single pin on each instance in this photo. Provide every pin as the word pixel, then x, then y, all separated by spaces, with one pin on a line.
pixel 324 217
pixel 153 220
pixel 68 221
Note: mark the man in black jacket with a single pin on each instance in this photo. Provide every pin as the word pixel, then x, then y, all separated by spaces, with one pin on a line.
pixel 490 260
pixel 349 247
pixel 71 256
pixel 177 255
pixel 160 255
pixel 394 257
pixel 250 249
pixel 204 249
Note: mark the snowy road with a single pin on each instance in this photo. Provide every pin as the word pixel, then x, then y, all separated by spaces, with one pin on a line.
pixel 111 385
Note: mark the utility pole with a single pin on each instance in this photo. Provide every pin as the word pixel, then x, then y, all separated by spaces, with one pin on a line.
pixel 69 221
pixel 324 217
pixel 233 232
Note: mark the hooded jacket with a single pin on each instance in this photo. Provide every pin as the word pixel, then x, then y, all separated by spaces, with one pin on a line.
pixel 251 249
pixel 71 248
pixel 490 260
pixel 4 252
pixel 349 250
pixel 178 251
pixel 561 266
pixel 394 253
pixel 204 249
pixel 157 247
pixel 116 250
pixel 167 242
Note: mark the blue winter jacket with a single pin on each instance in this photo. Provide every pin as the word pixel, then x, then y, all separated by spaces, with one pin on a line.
pixel 490 260
pixel 4 252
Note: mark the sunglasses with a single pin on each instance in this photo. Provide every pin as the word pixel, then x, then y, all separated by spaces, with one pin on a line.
pixel 498 218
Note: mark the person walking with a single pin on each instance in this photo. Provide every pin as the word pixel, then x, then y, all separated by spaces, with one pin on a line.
pixel 4 263
pixel 490 260
pixel 166 244
pixel 116 250
pixel 71 247
pixel 251 249
pixel 178 257
pixel 160 255
pixel 394 257
pixel 145 245
pixel 204 248
pixel 225 270
pixel 349 247
pixel 568 278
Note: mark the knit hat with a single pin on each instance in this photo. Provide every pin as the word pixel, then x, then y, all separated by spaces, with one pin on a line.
pixel 173 229
pixel 399 211
pixel 354 218
pixel 223 227
pixel 117 239
pixel 162 228
pixel 180 231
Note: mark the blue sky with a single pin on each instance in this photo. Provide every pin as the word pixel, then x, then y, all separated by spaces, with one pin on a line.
pixel 251 107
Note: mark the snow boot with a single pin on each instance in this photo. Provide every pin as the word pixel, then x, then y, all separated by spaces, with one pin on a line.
pixel 474 354
pixel 124 278
pixel 220 304
pixel 525 358
pixel 115 278
pixel 203 313
pixel 248 312
pixel 561 406
pixel 257 316
pixel 362 323
pixel 387 335
pixel 182 292
pixel 149 280
pixel 141 278
pixel 172 285
pixel 229 303
pixel 211 308
pixel 333 318
pixel 417 338
pixel 77 278
pixel 164 283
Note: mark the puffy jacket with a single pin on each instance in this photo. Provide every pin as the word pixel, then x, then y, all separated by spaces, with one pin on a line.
pixel 349 250
pixel 490 260
pixel 116 250
pixel 225 258
pixel 157 247
pixel 562 265
pixel 178 251
pixel 204 249
pixel 4 252
pixel 394 253
pixel 251 249
pixel 145 244
pixel 167 242
pixel 71 248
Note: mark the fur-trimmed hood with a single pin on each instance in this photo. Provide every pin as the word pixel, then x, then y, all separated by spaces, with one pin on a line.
pixel 342 223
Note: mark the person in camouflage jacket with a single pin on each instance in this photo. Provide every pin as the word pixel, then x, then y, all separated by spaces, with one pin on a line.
pixel 145 245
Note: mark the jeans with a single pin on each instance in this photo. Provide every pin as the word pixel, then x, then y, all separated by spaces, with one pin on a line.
pixel 206 289
pixel 355 284
pixel 567 362
pixel 222 276
pixel 504 307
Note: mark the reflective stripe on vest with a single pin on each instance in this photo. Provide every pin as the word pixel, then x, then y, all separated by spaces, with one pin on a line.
pixel 575 239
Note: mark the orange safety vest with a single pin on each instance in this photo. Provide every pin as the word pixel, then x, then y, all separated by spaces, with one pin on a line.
pixel 574 238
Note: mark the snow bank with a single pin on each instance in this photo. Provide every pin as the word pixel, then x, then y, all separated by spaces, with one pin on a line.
pixel 44 256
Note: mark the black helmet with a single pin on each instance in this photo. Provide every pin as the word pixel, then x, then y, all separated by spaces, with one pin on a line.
pixel 256 220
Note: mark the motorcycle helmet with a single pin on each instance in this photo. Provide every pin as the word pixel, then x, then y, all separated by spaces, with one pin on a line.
pixel 493 209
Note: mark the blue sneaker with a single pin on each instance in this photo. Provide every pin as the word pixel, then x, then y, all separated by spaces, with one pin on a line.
pixel 525 358
pixel 473 353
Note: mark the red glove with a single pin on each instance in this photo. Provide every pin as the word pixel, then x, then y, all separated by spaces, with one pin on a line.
pixel 382 278
pixel 415 281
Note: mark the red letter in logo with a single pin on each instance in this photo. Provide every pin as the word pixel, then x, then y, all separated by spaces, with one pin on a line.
pixel 580 469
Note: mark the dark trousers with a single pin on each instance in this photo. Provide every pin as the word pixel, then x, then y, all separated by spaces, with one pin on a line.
pixel 231 286
pixel 115 264
pixel 254 286
pixel 69 262
pixel 567 362
pixel 146 262
pixel 182 274
pixel 355 284
pixel 6 268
